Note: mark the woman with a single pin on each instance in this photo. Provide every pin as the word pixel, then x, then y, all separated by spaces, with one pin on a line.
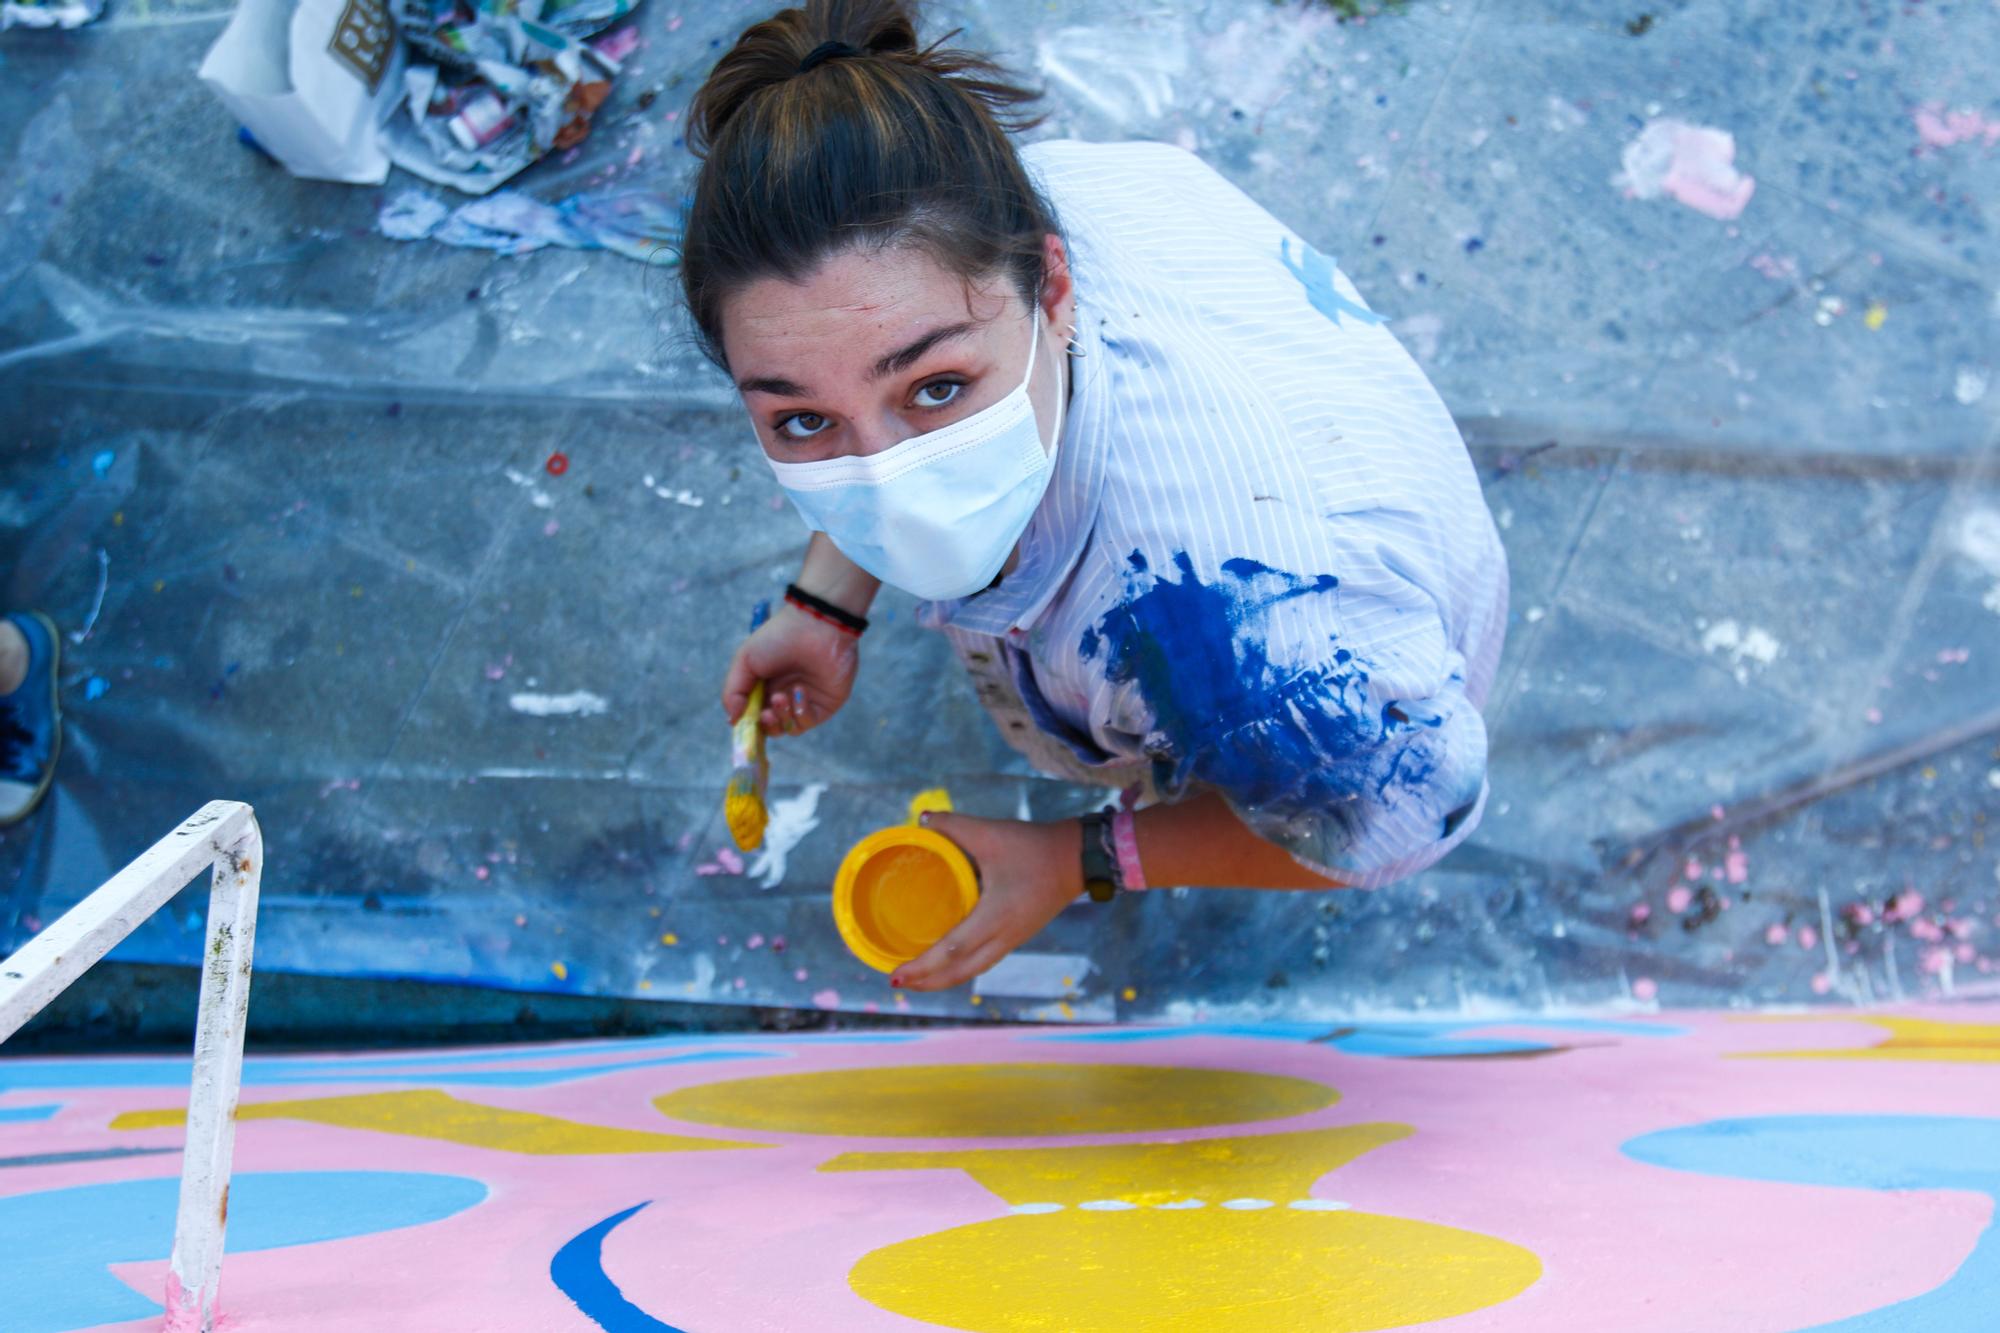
pixel 1196 524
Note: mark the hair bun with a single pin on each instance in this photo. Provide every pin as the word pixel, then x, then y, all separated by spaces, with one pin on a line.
pixel 795 41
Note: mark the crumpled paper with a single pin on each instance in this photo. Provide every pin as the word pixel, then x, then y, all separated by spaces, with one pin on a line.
pixel 639 224
pixel 49 13
pixel 513 79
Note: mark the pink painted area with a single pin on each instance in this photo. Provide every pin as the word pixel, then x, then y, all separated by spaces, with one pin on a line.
pixel 1692 164
pixel 1523 1149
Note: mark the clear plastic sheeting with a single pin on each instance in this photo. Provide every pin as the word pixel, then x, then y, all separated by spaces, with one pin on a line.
pixel 285 483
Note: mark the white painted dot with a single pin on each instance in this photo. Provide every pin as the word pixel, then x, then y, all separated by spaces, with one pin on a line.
pixel 1037 1208
pixel 1184 1203
pixel 1318 1205
pixel 1108 1206
pixel 1244 1205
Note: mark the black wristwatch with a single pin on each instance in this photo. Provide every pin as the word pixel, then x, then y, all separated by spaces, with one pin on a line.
pixel 1100 866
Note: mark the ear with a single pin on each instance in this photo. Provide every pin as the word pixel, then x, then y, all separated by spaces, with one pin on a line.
pixel 1058 287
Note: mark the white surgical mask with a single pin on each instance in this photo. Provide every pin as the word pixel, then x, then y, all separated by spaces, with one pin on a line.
pixel 938 514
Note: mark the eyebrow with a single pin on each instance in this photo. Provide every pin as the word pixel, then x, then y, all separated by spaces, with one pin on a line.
pixel 901 359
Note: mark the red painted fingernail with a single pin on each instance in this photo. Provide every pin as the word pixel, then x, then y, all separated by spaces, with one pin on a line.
pixel 894 981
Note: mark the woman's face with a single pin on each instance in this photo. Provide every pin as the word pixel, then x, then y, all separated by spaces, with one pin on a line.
pixel 877 346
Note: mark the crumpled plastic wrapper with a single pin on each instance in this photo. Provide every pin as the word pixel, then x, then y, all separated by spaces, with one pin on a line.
pixel 514 79
pixel 49 13
pixel 639 224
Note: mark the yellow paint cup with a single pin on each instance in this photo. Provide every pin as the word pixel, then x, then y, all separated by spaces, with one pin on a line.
pixel 898 892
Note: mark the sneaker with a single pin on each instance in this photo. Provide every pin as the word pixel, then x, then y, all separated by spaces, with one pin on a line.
pixel 30 723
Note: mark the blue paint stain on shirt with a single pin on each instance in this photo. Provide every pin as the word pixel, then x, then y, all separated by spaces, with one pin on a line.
pixel 1297 746
pixel 1316 272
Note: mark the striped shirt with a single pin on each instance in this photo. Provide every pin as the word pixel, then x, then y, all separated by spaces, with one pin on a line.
pixel 1263 566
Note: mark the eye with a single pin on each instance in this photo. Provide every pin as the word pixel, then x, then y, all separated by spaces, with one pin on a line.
pixel 802 425
pixel 939 392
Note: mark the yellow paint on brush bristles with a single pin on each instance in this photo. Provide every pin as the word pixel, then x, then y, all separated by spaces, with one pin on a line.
pixel 743 800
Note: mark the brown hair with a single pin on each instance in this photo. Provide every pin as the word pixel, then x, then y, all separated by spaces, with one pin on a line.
pixel 826 127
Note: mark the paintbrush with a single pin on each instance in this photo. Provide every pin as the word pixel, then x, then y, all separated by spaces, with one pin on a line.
pixel 743 799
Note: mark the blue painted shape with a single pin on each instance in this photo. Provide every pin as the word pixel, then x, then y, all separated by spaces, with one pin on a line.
pixel 1397 1040
pixel 1315 272
pixel 578 1272
pixel 54 1265
pixel 1872 1152
pixel 43 1112
pixel 18 1074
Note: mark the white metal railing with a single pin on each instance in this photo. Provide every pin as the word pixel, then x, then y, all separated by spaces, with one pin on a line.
pixel 223 836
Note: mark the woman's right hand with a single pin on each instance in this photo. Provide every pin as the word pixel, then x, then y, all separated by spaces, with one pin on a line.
pixel 807 667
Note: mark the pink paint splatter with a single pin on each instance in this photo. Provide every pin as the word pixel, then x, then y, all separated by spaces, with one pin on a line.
pixel 1860 914
pixel 1808 937
pixel 1874 716
pixel 827 999
pixel 1776 934
pixel 1736 866
pixel 1954 656
pixel 1904 906
pixel 1935 961
pixel 754 942
pixel 1941 128
pixel 1928 931
pixel 800 975
pixel 726 862
pixel 1641 913
pixel 1692 870
pixel 1778 268
pixel 619 44
pixel 1716 812
pixel 1679 897
pixel 1821 983
pixel 1689 163
pixel 1645 988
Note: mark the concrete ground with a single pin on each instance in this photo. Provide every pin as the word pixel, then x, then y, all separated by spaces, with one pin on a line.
pixel 1746 743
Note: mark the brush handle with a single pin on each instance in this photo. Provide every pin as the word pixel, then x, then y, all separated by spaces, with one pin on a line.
pixel 746 738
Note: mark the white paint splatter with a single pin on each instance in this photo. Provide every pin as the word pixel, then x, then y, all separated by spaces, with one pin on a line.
pixel 1034 976
pixel 578 703
pixel 1184 1203
pixel 1108 1206
pixel 538 497
pixel 790 821
pixel 1689 163
pixel 1970 385
pixel 1978 539
pixel 1246 1205
pixel 1420 333
pixel 1031 1209
pixel 679 497
pixel 1318 1205
pixel 1744 647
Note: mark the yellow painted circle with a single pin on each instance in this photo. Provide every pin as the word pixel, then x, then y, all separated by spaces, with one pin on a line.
pixel 898 892
pixel 1203 1271
pixel 998 1100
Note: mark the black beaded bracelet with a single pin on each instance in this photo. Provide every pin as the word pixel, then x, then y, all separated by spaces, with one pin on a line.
pixel 825 610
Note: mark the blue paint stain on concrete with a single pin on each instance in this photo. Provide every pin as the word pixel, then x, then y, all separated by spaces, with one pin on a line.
pixel 1315 272
pixel 1395 1041
pixel 578 1272
pixel 55 1264
pixel 1878 1152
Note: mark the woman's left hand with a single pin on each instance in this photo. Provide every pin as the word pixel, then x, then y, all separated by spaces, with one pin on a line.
pixel 1027 874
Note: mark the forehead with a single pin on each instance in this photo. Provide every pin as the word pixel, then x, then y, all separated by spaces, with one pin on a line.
pixel 856 300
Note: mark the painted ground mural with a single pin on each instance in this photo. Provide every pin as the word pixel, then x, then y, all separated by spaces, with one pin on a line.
pixel 1699 1171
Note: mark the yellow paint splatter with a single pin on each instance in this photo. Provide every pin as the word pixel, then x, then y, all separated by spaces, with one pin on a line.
pixel 562 973
pixel 1877 315
pixel 118 519
pixel 978 1000
pixel 930 800
pixel 158 584
pixel 1194 1265
pixel 645 984
pixel 355 591
pixel 429 1114
pixel 670 938
pixel 1011 1100
pixel 1128 994
pixel 1067 1012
